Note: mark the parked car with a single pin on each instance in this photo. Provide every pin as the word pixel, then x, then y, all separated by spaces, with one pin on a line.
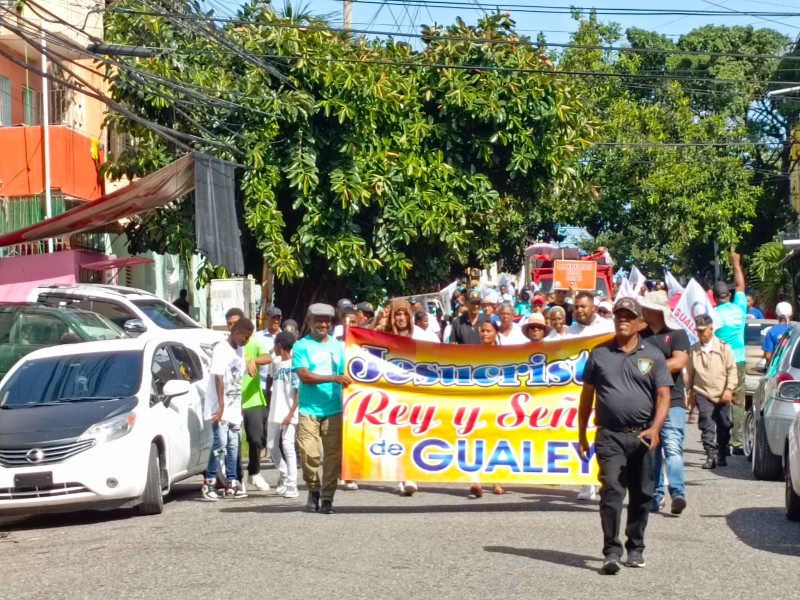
pixel 101 425
pixel 137 311
pixel 754 334
pixel 767 423
pixel 25 328
pixel 792 459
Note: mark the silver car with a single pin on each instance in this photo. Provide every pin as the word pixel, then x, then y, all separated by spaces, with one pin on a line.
pixel 755 330
pixel 792 460
pixel 767 423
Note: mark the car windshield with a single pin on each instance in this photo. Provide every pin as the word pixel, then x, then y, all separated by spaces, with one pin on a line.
pixel 164 315
pixel 95 327
pixel 73 378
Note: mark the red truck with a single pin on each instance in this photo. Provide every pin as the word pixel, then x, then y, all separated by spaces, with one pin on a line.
pixel 540 266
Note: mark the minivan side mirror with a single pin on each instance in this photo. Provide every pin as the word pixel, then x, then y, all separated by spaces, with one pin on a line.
pixel 789 390
pixel 174 388
pixel 134 326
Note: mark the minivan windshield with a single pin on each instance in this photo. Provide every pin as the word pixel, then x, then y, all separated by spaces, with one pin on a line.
pixel 73 378
pixel 164 315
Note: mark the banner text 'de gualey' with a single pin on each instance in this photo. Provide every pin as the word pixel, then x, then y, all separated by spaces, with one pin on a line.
pixel 436 412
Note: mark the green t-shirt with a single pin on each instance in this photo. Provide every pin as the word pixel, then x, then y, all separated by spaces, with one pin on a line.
pixel 733 316
pixel 324 400
pixel 252 394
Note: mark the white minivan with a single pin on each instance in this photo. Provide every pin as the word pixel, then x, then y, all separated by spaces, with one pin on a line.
pixel 102 425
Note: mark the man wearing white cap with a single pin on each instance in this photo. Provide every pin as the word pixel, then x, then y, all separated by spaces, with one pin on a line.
pixel 784 313
pixel 666 334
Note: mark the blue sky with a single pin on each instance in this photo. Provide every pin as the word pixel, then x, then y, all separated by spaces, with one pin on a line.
pixel 557 27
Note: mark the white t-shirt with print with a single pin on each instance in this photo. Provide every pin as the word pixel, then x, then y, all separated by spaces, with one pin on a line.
pixel 285 384
pixel 229 364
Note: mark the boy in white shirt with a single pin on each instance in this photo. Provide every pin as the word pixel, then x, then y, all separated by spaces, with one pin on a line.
pixel 224 409
pixel 282 420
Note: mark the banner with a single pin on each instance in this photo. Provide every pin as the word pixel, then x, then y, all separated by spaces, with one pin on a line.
pixel 673 287
pixel 693 302
pixel 636 279
pixel 436 412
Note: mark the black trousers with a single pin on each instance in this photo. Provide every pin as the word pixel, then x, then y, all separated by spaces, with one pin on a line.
pixel 714 423
pixel 255 429
pixel 626 465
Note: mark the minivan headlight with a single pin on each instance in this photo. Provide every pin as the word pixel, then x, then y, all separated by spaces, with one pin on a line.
pixel 111 429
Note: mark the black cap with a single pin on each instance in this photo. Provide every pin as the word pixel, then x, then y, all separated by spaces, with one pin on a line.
pixel 630 305
pixel 366 307
pixel 703 321
pixel 274 312
pixel 721 290
pixel 474 297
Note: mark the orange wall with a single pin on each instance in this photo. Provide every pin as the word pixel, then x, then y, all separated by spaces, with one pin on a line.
pixel 17 75
pixel 72 168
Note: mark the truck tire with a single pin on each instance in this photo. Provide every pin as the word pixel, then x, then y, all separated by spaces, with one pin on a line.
pixel 766 466
pixel 152 500
pixel 792 499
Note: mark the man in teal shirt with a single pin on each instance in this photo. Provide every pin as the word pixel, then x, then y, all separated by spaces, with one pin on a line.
pixel 733 314
pixel 318 360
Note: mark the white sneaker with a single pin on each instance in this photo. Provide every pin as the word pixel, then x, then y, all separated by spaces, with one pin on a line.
pixel 588 492
pixel 408 488
pixel 258 482
pixel 282 487
pixel 351 485
pixel 291 492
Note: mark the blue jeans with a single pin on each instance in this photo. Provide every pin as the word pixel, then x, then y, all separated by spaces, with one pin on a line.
pixel 671 449
pixel 226 444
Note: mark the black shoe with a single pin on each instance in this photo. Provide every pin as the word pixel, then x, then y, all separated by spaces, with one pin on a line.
pixel 678 506
pixel 635 559
pixel 312 504
pixel 611 565
pixel 327 508
pixel 710 462
pixel 737 451
pixel 722 461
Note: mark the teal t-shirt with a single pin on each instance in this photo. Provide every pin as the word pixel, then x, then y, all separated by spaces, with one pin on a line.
pixel 733 316
pixel 324 400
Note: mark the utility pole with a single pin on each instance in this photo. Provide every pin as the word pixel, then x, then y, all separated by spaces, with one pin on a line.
pixel 348 14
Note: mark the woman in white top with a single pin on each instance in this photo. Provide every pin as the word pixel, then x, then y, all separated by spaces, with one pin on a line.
pixel 509 334
pixel 421 331
pixel 557 317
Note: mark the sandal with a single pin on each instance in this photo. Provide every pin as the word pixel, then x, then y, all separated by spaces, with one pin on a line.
pixel 498 489
pixel 476 490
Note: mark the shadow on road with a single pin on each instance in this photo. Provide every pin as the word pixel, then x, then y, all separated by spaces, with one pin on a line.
pixel 767 529
pixel 556 557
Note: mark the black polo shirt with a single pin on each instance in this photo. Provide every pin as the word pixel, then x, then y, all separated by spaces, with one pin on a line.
pixel 669 341
pixel 464 332
pixel 626 384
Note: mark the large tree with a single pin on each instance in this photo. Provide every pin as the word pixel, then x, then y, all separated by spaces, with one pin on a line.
pixel 372 168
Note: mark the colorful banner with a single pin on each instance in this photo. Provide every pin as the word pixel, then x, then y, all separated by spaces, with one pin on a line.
pixel 423 411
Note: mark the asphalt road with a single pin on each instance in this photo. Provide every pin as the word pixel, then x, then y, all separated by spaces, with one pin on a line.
pixel 733 541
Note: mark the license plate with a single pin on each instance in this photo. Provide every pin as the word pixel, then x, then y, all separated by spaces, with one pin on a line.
pixel 33 480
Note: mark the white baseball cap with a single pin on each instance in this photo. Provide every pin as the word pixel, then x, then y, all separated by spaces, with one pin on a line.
pixel 783 310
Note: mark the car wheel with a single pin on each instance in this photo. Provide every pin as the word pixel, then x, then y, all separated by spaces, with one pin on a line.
pixel 766 466
pixel 792 499
pixel 152 500
pixel 748 434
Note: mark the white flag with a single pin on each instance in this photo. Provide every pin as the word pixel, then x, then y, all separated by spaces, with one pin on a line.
pixel 447 297
pixel 636 279
pixel 626 291
pixel 673 287
pixel 693 302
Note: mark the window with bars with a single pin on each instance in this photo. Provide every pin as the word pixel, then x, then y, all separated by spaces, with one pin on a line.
pixel 5 101
pixel 31 106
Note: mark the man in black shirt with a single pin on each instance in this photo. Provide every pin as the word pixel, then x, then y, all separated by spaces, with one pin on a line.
pixel 666 334
pixel 466 326
pixel 631 381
